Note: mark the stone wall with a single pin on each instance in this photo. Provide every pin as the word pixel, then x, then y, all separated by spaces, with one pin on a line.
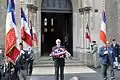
pixel 111 7
pixel 3 13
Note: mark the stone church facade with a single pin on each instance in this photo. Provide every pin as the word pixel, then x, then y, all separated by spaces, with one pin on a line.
pixel 67 20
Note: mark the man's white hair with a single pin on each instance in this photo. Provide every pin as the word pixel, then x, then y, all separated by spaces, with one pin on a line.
pixel 58 40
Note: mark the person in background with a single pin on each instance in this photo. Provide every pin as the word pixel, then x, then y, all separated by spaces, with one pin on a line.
pixel 95 54
pixel 107 59
pixel 115 47
pixel 58 53
pixel 30 61
pixel 21 63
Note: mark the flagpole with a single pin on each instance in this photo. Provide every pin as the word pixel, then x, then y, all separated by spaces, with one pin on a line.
pixel 21 3
pixel 89 26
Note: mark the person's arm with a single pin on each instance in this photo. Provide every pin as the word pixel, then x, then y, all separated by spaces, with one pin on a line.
pixel 60 51
pixel 118 47
pixel 94 49
pixel 52 53
pixel 113 55
pixel 101 52
pixel 119 51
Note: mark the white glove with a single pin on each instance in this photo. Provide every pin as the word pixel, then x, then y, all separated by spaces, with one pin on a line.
pixel 106 52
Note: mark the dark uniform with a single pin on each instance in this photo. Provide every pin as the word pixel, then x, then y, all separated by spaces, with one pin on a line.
pixel 59 62
pixel 22 65
pixel 116 51
pixel 30 63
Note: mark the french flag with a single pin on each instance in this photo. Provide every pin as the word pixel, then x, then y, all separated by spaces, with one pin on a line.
pixel 25 31
pixel 11 50
pixel 33 34
pixel 12 3
pixel 103 28
pixel 87 34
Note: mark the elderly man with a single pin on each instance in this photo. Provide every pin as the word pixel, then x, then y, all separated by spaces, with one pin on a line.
pixel 58 53
pixel 107 60
pixel 95 54
pixel 21 63
pixel 115 47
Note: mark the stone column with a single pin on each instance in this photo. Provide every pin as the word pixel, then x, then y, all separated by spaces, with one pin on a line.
pixel 3 13
pixel 34 17
pixel 118 27
pixel 39 24
pixel 75 5
pixel 74 33
pixel 111 11
pixel 96 19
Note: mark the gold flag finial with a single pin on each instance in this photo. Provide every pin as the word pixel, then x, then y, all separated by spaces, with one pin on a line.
pixel 21 3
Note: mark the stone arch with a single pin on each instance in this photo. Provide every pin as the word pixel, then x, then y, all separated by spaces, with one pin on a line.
pixel 58 6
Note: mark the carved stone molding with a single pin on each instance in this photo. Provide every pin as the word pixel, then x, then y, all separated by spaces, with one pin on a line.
pixel 32 8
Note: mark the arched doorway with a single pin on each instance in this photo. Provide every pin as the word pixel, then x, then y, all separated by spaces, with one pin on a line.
pixel 56 22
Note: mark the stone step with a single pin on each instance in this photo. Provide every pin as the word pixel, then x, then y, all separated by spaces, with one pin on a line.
pixel 48 58
pixel 52 64
pixel 46 62
pixel 67 61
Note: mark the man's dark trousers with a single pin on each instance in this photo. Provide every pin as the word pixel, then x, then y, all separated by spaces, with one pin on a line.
pixel 59 64
pixel 30 67
pixel 57 72
pixel 105 68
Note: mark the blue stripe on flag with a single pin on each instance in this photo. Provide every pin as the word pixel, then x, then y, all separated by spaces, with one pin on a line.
pixel 23 15
pixel 31 31
pixel 104 17
pixel 13 18
pixel 12 2
pixel 10 9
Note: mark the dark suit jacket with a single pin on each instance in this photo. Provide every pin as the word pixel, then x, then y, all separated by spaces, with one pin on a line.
pixel 115 49
pixel 104 57
pixel 58 61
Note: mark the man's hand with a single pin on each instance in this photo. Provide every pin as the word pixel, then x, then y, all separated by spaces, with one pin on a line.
pixel 106 52
pixel 51 55
pixel 119 55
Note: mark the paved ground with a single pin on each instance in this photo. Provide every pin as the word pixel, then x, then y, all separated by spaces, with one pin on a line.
pixel 68 70
pixel 81 76
pixel 84 76
pixel 47 73
pixel 84 73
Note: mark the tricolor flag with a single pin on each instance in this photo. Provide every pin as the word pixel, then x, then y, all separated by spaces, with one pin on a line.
pixel 25 31
pixel 12 3
pixel 103 28
pixel 33 34
pixel 87 33
pixel 11 50
pixel 31 30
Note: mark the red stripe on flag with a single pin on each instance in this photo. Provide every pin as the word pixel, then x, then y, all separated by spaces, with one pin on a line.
pixel 35 39
pixel 13 54
pixel 103 37
pixel 88 36
pixel 23 32
pixel 26 37
pixel 10 40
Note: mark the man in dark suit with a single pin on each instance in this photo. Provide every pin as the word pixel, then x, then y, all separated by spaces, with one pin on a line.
pixel 58 53
pixel 115 47
pixel 107 59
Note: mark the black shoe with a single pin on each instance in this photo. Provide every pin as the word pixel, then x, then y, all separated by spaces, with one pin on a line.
pixel 104 78
pixel 112 78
